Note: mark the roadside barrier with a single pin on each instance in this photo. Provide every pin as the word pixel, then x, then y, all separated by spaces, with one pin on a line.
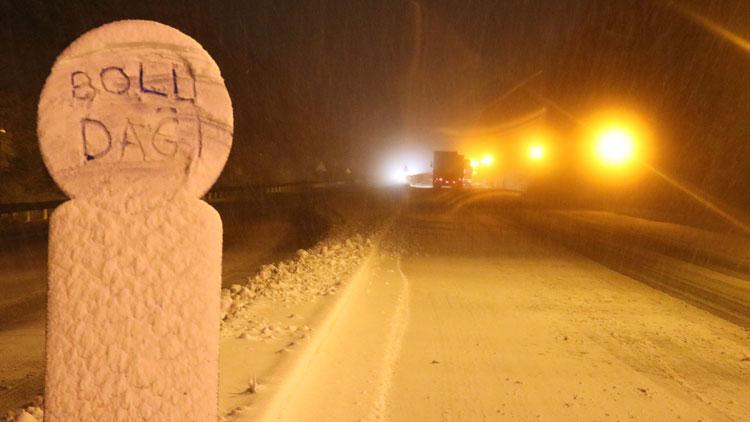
pixel 17 215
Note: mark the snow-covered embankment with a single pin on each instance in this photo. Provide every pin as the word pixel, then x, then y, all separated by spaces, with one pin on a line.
pixel 267 321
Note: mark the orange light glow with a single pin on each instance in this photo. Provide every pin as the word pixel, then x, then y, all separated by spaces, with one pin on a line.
pixel 536 152
pixel 615 146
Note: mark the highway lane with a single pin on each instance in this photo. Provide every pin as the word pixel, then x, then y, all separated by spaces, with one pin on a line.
pixel 462 316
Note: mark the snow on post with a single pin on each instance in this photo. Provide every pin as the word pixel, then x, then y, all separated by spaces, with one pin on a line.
pixel 135 125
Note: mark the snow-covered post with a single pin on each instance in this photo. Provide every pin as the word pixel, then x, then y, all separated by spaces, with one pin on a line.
pixel 135 125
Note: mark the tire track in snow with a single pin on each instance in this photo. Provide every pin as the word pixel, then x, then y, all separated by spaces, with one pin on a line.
pixel 398 326
pixel 670 373
pixel 296 376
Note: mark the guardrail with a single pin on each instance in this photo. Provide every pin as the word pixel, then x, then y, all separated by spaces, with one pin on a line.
pixel 11 214
pixel 19 214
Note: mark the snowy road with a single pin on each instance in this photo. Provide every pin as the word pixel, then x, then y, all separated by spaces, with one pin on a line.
pixel 461 317
pixel 456 315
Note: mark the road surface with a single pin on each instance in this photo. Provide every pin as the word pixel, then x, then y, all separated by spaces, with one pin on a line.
pixel 463 318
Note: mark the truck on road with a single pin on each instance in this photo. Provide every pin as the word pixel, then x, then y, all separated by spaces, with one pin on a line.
pixel 447 169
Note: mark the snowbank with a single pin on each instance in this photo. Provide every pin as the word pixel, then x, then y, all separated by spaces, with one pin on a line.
pixel 318 271
pixel 33 412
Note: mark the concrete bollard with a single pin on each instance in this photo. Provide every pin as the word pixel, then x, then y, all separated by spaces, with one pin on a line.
pixel 135 124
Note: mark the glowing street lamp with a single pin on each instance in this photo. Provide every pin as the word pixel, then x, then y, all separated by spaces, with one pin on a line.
pixel 487 160
pixel 536 152
pixel 615 146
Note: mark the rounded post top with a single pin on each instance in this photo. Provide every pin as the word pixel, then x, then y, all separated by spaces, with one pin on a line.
pixel 134 108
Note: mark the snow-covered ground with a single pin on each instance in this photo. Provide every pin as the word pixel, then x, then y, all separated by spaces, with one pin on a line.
pixel 33 412
pixel 461 317
pixel 274 314
pixel 709 269
pixel 268 311
pixel 22 315
pixel 456 315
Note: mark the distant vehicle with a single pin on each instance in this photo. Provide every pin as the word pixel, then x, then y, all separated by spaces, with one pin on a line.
pixel 447 169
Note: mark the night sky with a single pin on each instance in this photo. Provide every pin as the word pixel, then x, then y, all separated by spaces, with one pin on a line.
pixel 339 81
